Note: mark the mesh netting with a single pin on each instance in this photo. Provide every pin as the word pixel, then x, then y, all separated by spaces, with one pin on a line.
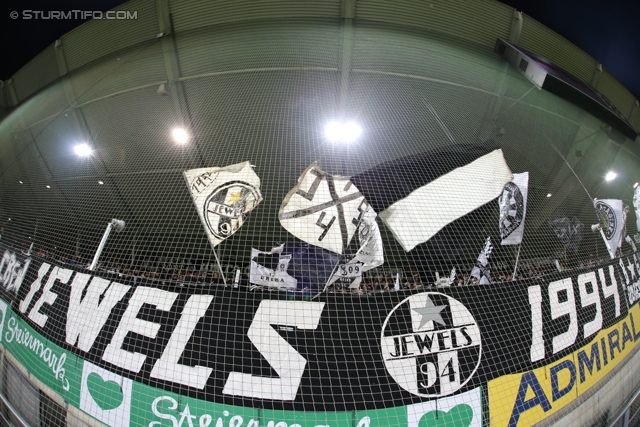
pixel 333 278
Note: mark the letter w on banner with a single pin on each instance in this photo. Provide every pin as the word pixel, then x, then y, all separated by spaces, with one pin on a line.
pixel 223 197
pixel 323 210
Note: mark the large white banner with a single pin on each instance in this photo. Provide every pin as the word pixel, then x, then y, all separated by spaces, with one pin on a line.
pixel 513 209
pixel 323 210
pixel 223 197
pixel 419 216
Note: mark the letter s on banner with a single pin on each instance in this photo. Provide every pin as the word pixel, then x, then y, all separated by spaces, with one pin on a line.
pixel 282 357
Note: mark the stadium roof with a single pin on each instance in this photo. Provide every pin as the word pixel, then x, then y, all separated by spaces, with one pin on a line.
pixel 258 81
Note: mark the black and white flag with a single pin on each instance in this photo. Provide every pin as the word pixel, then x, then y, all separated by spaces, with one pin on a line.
pixel 481 270
pixel 272 277
pixel 610 215
pixel 417 196
pixel 568 230
pixel 625 214
pixel 223 197
pixel 636 204
pixel 348 274
pixel 513 209
pixel 369 256
pixel 371 252
pixel 323 210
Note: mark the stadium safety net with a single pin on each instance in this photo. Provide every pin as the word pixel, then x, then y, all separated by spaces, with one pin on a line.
pixel 301 222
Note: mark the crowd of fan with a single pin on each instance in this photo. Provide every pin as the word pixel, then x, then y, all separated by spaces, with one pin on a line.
pixel 372 282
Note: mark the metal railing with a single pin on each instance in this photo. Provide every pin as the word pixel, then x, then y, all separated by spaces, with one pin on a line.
pixel 625 417
pixel 13 411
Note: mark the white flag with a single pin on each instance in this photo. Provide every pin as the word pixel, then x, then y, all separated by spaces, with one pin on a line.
pixel 623 233
pixel 350 274
pixel 223 197
pixel 323 210
pixel 426 210
pixel 370 253
pixel 611 218
pixel 513 209
pixel 481 269
pixel 278 278
pixel 636 204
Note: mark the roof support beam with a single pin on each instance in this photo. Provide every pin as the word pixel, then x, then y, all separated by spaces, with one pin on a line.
pixel 76 113
pixel 172 67
pixel 348 8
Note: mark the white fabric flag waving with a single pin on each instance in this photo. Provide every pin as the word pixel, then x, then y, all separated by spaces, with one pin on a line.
pixel 513 209
pixel 223 197
pixel 323 210
pixel 611 218
pixel 348 274
pixel 625 214
pixel 481 269
pixel 278 277
pixel 371 252
pixel 417 196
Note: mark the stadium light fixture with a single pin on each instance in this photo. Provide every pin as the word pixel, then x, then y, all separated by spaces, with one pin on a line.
pixel 342 132
pixel 180 135
pixel 611 175
pixel 351 132
pixel 333 131
pixel 82 150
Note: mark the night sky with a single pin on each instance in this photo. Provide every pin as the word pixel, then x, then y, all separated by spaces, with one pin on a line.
pixel 606 30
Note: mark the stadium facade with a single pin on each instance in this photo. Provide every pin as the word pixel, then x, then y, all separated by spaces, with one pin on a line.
pixel 318 213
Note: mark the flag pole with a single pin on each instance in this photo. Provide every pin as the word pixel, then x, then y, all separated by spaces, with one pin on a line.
pixel 326 285
pixel 224 279
pixel 606 243
pixel 517 259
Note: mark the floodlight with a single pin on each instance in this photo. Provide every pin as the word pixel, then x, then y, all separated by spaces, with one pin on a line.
pixel 333 131
pixel 82 150
pixel 611 175
pixel 342 132
pixel 351 132
pixel 180 135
